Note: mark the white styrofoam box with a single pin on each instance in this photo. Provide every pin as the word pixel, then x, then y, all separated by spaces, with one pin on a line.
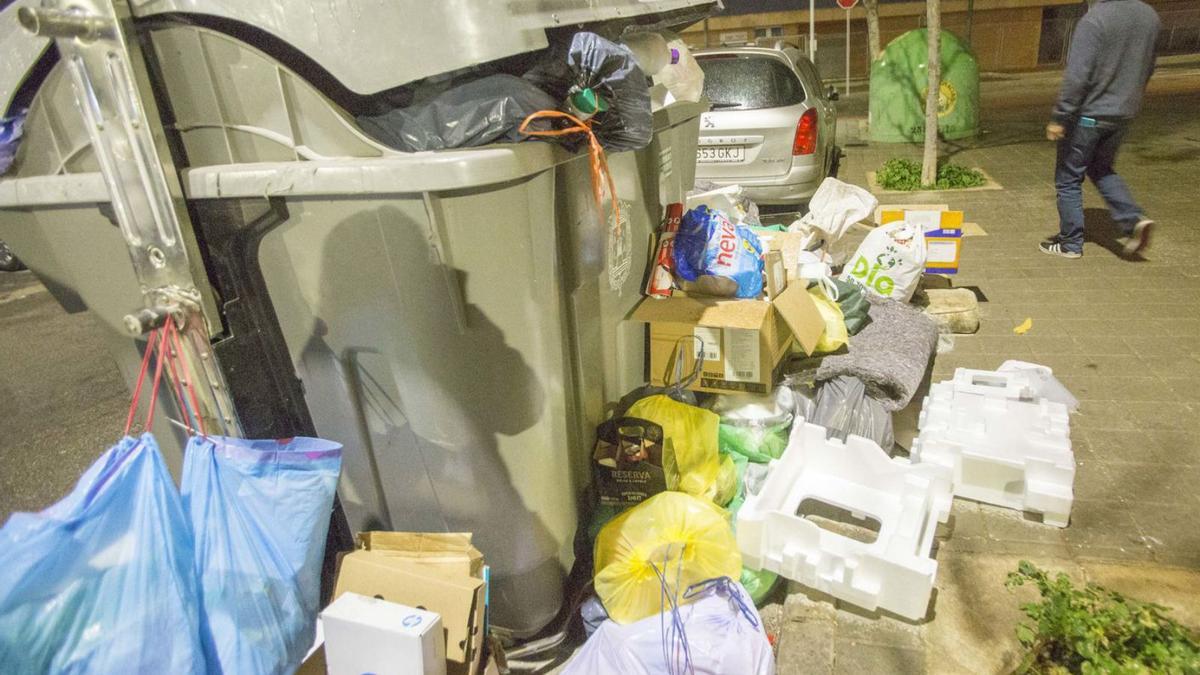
pixel 895 572
pixel 370 635
pixel 1002 447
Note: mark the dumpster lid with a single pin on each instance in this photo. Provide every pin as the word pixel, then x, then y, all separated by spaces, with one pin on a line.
pixel 371 46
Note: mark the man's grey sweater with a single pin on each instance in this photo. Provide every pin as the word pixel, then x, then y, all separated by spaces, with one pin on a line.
pixel 1111 58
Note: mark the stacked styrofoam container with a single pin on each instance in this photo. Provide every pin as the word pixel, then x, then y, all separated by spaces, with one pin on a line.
pixel 1004 443
pixel 896 571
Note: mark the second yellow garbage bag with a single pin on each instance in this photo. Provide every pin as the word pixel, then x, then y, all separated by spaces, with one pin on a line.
pixel 684 539
pixel 690 458
pixel 835 323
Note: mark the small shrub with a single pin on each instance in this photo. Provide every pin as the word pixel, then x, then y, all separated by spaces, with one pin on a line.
pixel 905 174
pixel 1095 630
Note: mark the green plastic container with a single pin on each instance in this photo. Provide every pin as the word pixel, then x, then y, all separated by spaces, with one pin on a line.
pixel 898 80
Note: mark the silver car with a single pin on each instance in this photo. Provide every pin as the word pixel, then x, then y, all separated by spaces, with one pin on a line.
pixel 772 124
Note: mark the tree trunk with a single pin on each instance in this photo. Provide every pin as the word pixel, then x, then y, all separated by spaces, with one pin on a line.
pixel 933 14
pixel 872 7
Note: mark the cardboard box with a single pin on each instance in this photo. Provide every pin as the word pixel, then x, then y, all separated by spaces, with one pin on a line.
pixel 436 573
pixel 628 463
pixel 744 341
pixel 450 551
pixel 369 635
pixel 943 232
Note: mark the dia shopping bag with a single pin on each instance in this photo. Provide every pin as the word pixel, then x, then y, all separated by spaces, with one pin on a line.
pixel 889 262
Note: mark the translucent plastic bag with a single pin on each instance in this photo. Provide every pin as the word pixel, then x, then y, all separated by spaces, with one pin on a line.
pixel 671 540
pixel 103 581
pixel 260 511
pixel 754 426
pixel 690 456
pixel 719 633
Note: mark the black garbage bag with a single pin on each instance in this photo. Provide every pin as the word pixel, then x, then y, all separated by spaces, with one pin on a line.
pixel 610 71
pixel 483 111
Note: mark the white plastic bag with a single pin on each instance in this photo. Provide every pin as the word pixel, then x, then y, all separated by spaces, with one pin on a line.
pixel 1042 383
pixel 730 200
pixel 724 635
pixel 889 262
pixel 834 207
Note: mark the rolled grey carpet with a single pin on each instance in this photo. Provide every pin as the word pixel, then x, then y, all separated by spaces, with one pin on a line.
pixel 889 355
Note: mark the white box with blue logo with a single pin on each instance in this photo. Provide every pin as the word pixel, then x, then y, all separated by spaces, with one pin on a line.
pixel 370 635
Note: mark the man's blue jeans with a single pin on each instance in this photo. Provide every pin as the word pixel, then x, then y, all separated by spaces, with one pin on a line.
pixel 1090 151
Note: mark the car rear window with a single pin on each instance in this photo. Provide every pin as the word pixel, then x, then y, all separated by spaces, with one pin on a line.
pixel 749 82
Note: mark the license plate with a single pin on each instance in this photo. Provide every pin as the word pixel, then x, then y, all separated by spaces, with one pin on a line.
pixel 719 154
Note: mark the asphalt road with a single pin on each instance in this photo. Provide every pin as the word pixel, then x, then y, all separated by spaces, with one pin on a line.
pixel 62 400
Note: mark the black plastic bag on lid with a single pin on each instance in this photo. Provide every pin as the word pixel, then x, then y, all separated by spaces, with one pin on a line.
pixel 594 77
pixel 487 110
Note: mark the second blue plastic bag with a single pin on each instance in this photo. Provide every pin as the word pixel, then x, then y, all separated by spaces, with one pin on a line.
pixel 260 510
pixel 708 244
pixel 103 581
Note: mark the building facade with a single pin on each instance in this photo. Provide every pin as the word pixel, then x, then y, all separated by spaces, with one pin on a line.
pixel 1006 35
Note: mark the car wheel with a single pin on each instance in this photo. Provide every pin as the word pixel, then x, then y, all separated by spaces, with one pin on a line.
pixel 8 261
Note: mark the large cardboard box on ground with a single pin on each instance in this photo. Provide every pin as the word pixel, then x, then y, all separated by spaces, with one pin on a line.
pixel 744 341
pixel 438 572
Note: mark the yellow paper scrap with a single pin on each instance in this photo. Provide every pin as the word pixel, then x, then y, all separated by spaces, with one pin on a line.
pixel 1024 327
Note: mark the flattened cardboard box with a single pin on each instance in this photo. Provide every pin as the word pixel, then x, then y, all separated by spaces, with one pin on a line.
pixel 741 343
pixel 458 598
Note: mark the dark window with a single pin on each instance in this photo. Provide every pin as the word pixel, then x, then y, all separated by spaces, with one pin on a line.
pixel 749 82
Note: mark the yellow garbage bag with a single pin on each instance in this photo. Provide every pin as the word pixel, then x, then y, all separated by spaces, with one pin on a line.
pixel 690 459
pixel 835 322
pixel 685 539
pixel 725 487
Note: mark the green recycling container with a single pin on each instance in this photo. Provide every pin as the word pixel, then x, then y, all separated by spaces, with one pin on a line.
pixel 898 83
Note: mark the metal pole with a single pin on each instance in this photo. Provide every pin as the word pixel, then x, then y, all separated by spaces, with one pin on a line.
pixel 812 30
pixel 847 51
pixel 970 20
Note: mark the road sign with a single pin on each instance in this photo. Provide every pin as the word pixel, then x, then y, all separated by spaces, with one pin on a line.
pixel 847 4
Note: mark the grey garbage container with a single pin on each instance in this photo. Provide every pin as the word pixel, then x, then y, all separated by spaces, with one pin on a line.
pixel 457 318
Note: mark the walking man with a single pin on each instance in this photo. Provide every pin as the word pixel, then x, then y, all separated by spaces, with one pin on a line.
pixel 1110 61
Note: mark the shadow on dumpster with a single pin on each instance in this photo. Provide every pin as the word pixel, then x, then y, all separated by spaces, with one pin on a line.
pixel 420 401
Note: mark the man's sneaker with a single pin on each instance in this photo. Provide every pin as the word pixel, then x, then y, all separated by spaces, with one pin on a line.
pixel 1054 238
pixel 1139 239
pixel 1056 248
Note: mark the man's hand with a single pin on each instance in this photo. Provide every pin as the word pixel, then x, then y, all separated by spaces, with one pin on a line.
pixel 1055 132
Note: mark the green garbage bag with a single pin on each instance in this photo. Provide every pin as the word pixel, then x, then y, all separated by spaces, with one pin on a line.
pixel 758 583
pixel 757 443
pixel 852 299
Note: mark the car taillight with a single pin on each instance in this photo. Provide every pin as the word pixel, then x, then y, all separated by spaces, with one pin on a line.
pixel 806 133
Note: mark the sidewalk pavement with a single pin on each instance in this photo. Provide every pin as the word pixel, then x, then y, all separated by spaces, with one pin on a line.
pixel 1123 336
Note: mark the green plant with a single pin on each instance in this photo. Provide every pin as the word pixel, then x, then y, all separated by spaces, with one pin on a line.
pixel 905 174
pixel 1095 630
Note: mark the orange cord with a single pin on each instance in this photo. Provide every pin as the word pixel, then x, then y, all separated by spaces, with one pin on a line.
pixel 599 160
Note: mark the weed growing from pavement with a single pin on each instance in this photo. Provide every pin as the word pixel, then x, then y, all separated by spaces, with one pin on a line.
pixel 1095 630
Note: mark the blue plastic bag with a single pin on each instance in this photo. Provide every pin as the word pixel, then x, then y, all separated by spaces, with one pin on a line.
pixel 708 244
pixel 103 581
pixel 10 138
pixel 260 511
